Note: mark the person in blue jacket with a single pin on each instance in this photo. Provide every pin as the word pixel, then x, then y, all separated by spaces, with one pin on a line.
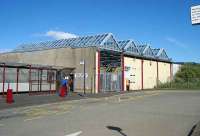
pixel 64 82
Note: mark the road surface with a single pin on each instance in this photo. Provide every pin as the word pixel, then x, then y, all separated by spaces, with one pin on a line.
pixel 150 113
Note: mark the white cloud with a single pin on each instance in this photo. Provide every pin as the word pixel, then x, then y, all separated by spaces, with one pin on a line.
pixel 60 35
pixel 176 42
pixel 5 50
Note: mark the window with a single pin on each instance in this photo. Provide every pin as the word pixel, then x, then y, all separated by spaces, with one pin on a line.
pixel 50 76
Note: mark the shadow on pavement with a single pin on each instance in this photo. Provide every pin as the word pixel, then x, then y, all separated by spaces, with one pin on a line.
pixel 192 130
pixel 119 130
pixel 195 131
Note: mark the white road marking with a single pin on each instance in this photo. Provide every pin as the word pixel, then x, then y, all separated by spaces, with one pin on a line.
pixel 32 118
pixel 74 134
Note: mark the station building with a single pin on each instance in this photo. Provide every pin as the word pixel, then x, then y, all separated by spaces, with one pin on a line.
pixel 110 65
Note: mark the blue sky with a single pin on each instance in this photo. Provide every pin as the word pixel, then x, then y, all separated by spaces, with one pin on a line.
pixel 160 23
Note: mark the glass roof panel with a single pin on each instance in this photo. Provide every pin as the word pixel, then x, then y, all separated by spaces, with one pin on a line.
pixel 72 42
pixel 104 41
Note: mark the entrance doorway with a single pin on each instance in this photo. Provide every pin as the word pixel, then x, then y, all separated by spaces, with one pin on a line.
pixel 66 72
pixel 110 71
pixel 71 82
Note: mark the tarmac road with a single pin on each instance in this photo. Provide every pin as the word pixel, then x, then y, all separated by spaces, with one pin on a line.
pixel 151 113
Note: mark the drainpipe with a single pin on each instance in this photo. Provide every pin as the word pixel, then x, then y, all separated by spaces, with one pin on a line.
pixel 30 85
pixel 38 80
pixel 50 80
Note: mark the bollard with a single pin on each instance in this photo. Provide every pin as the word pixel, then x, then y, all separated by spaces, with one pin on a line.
pixel 9 98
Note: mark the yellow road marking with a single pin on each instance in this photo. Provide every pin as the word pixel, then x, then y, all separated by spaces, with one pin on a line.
pixel 61 113
pixel 30 119
pixel 140 97
pixel 45 111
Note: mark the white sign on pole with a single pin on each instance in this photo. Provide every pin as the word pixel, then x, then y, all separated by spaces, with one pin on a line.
pixel 195 14
pixel 82 62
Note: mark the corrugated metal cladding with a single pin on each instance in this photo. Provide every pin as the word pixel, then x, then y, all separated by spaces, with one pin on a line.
pixel 111 65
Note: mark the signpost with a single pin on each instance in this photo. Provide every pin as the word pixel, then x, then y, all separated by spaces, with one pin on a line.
pixel 195 15
pixel 83 63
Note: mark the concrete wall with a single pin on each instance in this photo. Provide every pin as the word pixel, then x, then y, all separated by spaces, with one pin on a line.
pixel 133 74
pixel 150 74
pixel 63 57
pixel 89 54
pixel 163 72
pixel 55 57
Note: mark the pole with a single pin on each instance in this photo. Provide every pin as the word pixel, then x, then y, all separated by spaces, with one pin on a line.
pixel 4 70
pixel 30 85
pixel 38 79
pixel 17 85
pixel 41 73
pixel 50 80
pixel 84 76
